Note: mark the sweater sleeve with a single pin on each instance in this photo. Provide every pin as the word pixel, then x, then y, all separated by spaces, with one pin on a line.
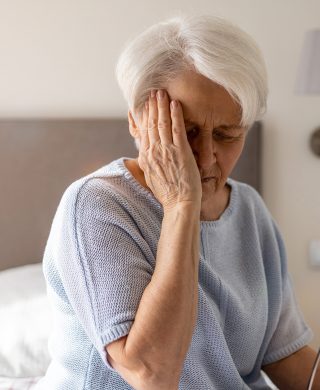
pixel 102 261
pixel 291 332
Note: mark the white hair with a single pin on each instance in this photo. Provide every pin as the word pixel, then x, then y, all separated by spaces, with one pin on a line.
pixel 213 47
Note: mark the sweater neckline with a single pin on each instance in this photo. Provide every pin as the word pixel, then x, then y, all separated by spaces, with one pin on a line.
pixel 204 224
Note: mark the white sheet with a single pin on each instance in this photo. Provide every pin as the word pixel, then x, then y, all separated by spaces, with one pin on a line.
pixel 18 383
pixel 25 322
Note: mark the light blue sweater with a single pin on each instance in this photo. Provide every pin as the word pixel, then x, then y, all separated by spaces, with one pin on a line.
pixel 101 254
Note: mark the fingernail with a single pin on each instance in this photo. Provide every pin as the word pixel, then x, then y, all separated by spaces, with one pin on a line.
pixel 160 94
pixel 153 93
pixel 146 104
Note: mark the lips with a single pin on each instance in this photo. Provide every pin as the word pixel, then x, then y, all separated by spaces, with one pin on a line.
pixel 205 179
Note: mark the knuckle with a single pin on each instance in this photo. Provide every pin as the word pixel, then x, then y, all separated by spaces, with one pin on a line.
pixel 176 129
pixel 153 151
pixel 163 124
pixel 152 123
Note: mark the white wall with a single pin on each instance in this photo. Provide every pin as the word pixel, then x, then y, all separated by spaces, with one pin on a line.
pixel 57 59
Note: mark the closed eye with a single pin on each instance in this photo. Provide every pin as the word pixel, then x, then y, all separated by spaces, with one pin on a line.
pixel 219 135
pixel 192 132
pixel 223 136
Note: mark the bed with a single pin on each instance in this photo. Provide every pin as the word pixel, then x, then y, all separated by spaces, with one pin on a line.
pixel 38 160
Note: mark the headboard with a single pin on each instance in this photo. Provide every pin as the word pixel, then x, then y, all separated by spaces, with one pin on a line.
pixel 40 158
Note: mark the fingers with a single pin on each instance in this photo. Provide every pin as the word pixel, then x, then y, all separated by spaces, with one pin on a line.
pixel 179 136
pixel 153 119
pixel 144 137
pixel 164 118
pixel 162 122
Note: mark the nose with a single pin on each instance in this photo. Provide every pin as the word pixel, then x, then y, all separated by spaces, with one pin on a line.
pixel 204 150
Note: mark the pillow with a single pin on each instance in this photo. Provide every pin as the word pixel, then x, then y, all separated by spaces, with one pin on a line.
pixel 25 324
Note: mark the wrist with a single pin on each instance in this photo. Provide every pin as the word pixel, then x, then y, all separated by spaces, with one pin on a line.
pixel 189 208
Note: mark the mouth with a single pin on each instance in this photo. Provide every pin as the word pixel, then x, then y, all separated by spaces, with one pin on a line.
pixel 206 179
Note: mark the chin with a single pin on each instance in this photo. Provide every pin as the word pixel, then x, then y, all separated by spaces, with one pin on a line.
pixel 210 190
pixel 207 195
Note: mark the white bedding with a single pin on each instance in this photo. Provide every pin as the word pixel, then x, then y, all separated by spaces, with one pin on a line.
pixel 18 383
pixel 25 322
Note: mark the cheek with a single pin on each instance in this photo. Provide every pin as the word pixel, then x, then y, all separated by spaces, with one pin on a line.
pixel 228 157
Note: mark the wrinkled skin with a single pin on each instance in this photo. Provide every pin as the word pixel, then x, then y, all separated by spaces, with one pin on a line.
pixel 180 147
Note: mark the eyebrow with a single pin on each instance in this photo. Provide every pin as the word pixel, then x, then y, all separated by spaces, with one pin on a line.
pixel 222 126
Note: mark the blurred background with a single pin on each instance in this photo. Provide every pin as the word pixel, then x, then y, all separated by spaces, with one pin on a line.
pixel 57 60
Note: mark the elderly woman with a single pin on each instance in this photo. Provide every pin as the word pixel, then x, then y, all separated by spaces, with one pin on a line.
pixel 163 272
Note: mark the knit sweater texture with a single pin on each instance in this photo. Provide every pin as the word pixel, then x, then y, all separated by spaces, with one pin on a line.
pixel 101 255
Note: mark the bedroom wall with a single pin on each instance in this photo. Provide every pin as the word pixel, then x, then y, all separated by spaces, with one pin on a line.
pixel 57 60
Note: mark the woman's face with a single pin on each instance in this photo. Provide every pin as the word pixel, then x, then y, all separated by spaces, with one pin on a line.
pixel 212 124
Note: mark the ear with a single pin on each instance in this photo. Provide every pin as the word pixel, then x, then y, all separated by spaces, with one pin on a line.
pixel 133 128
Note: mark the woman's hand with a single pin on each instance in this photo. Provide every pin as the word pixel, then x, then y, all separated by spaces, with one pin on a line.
pixel 165 155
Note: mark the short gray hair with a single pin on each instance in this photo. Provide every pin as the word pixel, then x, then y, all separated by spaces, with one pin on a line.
pixel 213 47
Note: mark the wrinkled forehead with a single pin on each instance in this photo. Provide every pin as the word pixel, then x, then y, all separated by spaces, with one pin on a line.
pixel 203 101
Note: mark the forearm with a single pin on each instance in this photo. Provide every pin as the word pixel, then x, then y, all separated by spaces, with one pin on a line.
pixel 161 334
pixel 293 372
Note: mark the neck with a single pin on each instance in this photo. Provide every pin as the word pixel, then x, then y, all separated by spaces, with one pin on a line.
pixel 211 210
